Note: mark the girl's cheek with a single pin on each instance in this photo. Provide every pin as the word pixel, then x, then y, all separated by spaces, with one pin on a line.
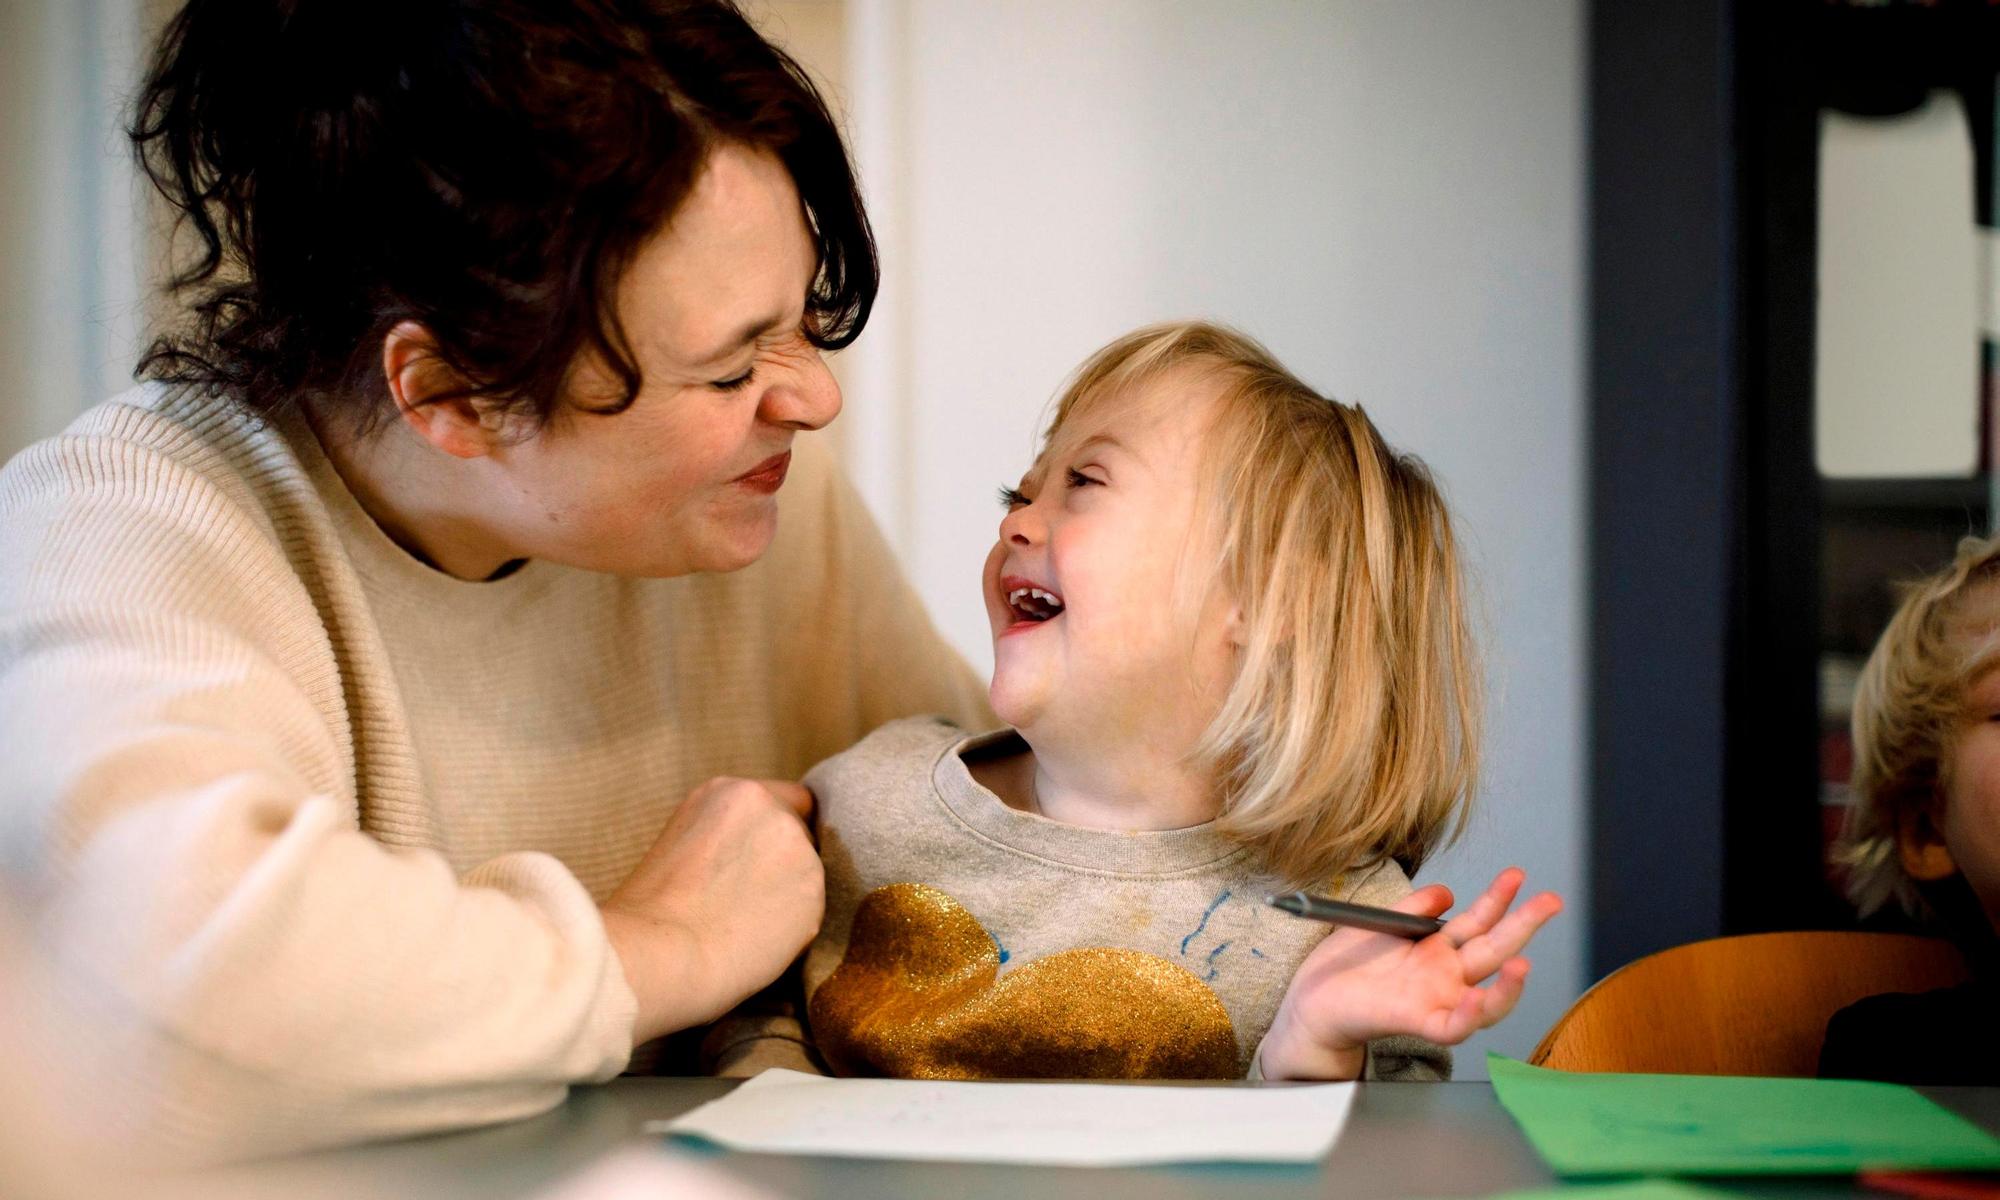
pixel 1066 558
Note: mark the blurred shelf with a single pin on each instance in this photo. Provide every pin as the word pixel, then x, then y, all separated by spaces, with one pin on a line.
pixel 1943 496
pixel 1874 58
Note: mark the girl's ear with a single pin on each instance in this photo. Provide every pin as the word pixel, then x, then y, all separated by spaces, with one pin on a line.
pixel 1920 842
pixel 1235 629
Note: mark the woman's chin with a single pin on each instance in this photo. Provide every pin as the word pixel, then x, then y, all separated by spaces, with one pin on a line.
pixel 736 544
pixel 719 553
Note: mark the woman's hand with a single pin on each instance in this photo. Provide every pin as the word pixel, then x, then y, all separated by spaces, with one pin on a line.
pixel 1357 985
pixel 727 897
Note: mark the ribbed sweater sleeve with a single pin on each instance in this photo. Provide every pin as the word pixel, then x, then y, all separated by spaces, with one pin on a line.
pixel 182 817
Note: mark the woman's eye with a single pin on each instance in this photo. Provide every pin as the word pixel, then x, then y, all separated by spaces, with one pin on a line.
pixel 736 384
pixel 1011 499
pixel 1078 479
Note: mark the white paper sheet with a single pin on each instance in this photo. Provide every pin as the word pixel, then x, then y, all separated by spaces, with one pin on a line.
pixel 1057 1124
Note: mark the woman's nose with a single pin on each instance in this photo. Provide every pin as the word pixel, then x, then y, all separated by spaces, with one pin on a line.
pixel 804 397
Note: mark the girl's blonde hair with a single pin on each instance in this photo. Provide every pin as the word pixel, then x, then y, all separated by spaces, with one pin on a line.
pixel 1908 708
pixel 1350 734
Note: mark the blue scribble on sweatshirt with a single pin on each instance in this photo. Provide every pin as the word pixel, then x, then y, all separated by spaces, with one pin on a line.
pixel 1206 914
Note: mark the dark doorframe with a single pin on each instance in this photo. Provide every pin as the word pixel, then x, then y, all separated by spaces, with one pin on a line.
pixel 1664 399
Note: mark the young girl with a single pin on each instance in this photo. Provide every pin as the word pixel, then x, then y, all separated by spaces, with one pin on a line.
pixel 1230 641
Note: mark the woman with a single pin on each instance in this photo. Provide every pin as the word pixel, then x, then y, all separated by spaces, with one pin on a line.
pixel 353 665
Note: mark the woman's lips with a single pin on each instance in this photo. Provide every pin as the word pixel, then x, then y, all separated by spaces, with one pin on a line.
pixel 767 476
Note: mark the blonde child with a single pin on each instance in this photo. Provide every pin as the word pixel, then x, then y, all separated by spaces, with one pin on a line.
pixel 1923 833
pixel 1231 648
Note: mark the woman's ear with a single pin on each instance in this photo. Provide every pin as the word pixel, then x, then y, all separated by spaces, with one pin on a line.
pixel 1920 842
pixel 432 399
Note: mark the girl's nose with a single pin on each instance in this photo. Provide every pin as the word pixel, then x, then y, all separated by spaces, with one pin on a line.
pixel 804 397
pixel 1022 527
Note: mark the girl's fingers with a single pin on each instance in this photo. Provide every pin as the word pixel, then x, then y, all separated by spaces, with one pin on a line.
pixel 1432 901
pixel 1461 1022
pixel 1483 1008
pixel 1482 955
pixel 1497 1001
pixel 1486 910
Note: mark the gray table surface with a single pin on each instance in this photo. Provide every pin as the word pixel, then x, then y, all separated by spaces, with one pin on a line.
pixel 1402 1140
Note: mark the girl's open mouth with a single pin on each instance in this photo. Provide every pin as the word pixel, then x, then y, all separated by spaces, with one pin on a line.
pixel 1031 603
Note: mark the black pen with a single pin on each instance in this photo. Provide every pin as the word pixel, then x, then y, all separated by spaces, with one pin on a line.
pixel 1358 916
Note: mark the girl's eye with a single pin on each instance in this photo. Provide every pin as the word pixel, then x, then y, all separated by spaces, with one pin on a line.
pixel 1011 499
pixel 1078 479
pixel 736 384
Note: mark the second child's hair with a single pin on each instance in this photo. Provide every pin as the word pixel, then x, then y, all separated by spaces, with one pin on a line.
pixel 1909 707
pixel 1350 734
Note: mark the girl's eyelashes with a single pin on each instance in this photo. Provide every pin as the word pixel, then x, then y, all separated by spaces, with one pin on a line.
pixel 1013 498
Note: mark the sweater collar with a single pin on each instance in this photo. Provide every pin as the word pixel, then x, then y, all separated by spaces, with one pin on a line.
pixel 1108 851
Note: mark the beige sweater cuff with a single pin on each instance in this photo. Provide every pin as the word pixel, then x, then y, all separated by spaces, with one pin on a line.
pixel 604 1045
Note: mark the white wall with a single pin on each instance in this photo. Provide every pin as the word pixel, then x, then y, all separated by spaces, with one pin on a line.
pixel 70 293
pixel 1896 345
pixel 1388 194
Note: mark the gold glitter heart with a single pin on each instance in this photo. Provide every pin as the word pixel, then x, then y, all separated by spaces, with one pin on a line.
pixel 917 995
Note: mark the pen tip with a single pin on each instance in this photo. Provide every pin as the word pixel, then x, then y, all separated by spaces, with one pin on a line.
pixel 1290 903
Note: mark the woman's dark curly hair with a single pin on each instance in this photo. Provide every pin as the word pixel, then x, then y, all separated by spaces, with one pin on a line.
pixel 486 168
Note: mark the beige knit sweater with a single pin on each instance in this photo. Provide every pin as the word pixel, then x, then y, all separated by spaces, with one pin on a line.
pixel 321 828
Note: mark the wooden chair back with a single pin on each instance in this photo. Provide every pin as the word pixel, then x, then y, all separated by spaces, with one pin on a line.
pixel 1751 1005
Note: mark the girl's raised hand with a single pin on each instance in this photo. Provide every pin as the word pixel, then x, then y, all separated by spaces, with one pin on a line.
pixel 1357 985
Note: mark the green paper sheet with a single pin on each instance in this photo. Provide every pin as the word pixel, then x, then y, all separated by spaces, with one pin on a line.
pixel 1588 1124
pixel 1635 1189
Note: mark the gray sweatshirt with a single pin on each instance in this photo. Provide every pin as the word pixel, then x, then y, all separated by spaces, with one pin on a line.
pixel 965 939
